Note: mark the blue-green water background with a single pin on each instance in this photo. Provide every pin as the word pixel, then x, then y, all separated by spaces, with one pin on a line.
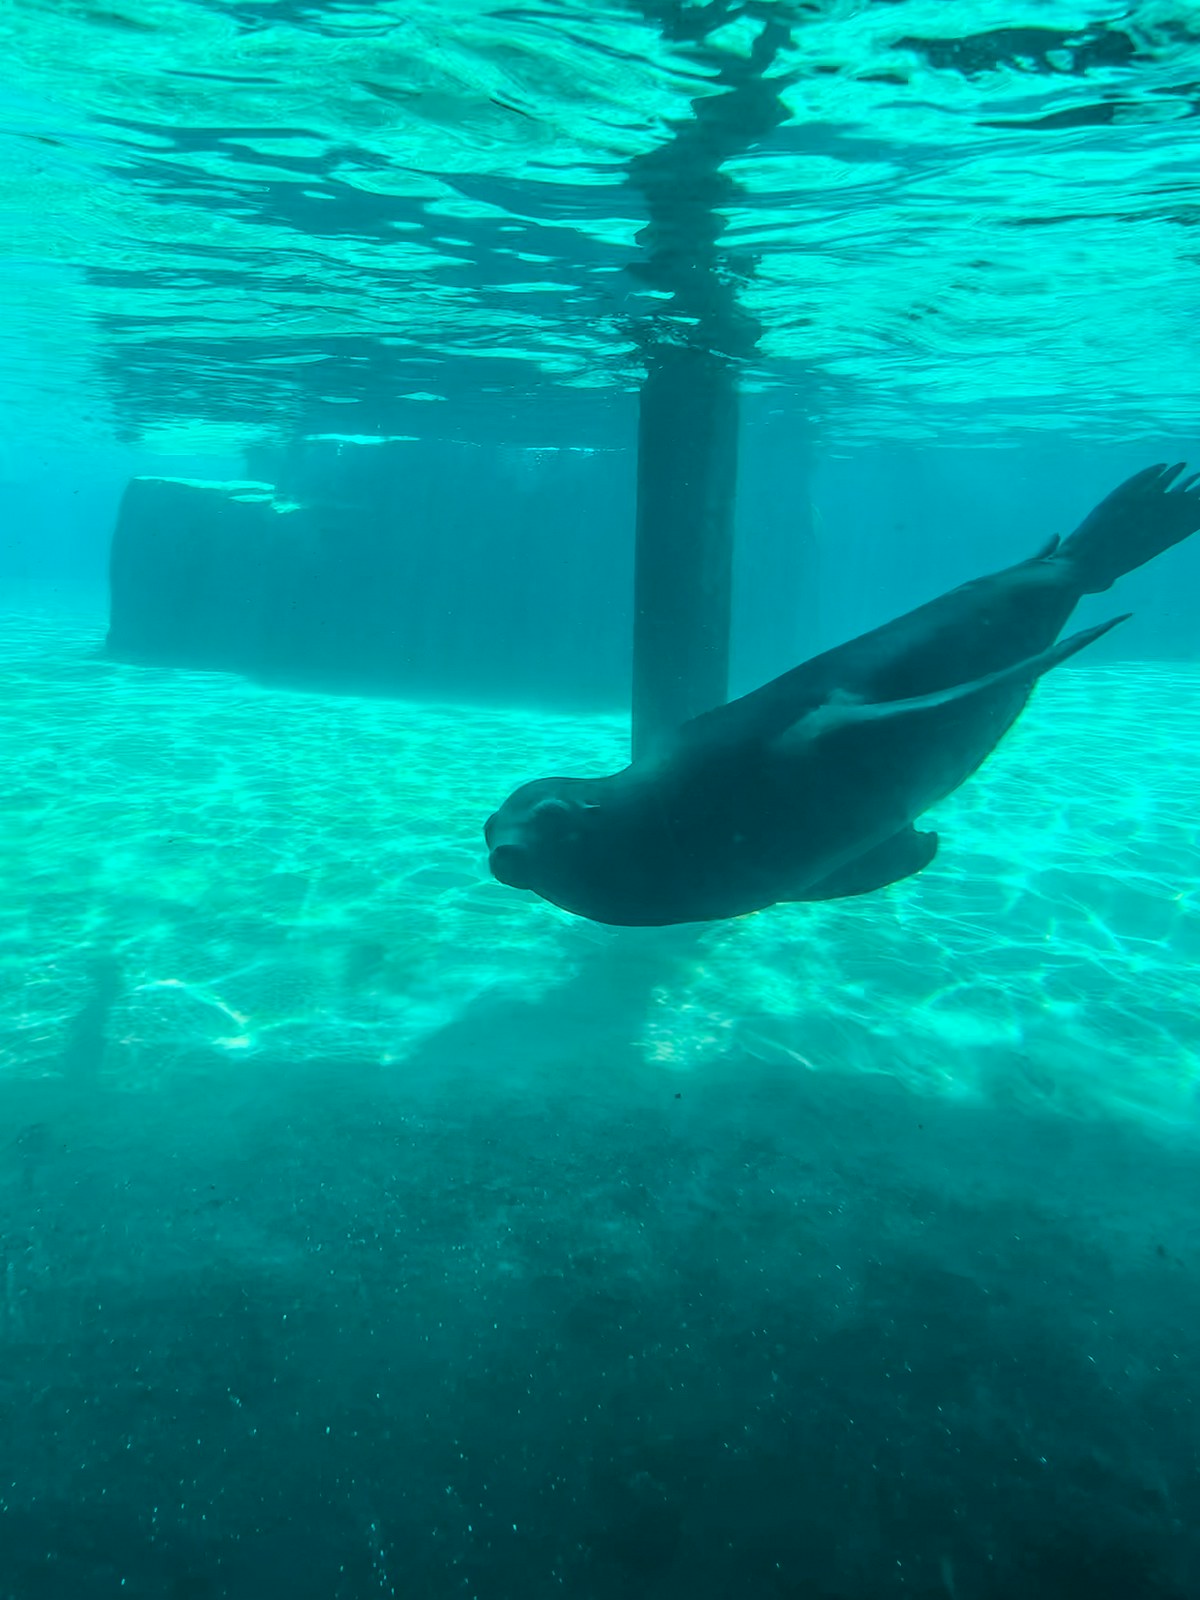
pixel 369 1229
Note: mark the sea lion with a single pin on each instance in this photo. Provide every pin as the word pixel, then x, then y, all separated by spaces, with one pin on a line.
pixel 807 788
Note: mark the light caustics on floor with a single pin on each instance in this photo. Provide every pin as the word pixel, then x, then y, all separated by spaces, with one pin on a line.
pixel 194 870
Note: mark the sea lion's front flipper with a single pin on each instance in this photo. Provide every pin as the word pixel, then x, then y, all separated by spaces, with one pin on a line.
pixel 863 772
pixel 902 856
pixel 845 722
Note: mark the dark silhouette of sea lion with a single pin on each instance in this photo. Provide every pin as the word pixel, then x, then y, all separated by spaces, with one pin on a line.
pixel 807 788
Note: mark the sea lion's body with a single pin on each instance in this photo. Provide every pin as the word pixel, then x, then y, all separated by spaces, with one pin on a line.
pixel 807 788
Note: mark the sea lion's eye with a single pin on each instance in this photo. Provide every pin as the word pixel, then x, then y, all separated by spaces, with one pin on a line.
pixel 553 813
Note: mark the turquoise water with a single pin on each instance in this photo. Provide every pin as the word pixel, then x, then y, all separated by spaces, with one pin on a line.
pixel 306 875
pixel 253 216
pixel 370 1229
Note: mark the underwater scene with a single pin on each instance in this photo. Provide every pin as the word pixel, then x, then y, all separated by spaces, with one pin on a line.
pixel 599 830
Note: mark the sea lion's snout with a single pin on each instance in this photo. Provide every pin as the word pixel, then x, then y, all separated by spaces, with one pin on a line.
pixel 510 864
pixel 535 836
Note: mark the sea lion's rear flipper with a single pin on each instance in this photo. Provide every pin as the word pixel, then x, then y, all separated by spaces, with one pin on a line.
pixel 902 856
pixel 1146 515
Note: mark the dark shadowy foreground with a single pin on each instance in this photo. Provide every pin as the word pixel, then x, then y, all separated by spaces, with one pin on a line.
pixel 525 1319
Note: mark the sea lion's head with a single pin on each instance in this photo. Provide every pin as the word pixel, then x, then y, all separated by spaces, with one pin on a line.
pixel 539 837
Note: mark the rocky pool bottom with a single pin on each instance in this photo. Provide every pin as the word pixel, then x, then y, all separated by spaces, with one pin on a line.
pixel 367 1228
